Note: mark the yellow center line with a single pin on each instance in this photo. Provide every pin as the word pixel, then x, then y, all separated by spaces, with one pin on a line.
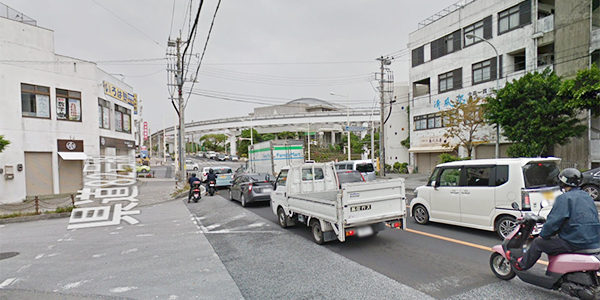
pixel 439 237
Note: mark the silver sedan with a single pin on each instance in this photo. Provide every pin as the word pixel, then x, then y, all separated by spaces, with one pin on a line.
pixel 252 187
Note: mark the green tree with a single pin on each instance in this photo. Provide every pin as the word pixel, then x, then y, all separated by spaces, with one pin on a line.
pixel 214 142
pixel 356 144
pixel 287 135
pixel 533 115
pixel 583 91
pixel 267 137
pixel 3 143
pixel 463 122
pixel 367 141
pixel 243 145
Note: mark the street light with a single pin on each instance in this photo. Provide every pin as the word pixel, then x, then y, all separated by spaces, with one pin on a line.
pixel 472 36
pixel 347 119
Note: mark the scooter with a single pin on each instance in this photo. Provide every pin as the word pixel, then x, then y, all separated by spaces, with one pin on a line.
pixel 576 274
pixel 196 192
pixel 212 187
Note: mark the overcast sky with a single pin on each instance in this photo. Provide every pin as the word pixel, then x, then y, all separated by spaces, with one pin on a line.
pixel 260 52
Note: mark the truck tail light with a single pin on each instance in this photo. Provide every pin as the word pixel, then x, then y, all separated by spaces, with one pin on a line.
pixel 525 201
pixel 350 232
pixel 249 186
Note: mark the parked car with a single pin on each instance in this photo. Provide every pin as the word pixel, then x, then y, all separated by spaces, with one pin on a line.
pixel 479 193
pixel 224 176
pixel 221 157
pixel 190 165
pixel 234 158
pixel 211 155
pixel 366 167
pixel 226 156
pixel 349 176
pixel 253 187
pixel 142 169
pixel 591 183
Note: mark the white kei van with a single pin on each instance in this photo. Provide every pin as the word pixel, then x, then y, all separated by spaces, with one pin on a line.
pixel 479 193
pixel 366 167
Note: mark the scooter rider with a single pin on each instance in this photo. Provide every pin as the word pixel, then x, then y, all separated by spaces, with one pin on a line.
pixel 191 181
pixel 210 177
pixel 571 225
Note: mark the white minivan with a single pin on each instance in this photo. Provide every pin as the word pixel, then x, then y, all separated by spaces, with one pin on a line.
pixel 366 167
pixel 479 193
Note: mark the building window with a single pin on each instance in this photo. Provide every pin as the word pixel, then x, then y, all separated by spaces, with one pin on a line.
pixel 122 119
pixel 68 105
pixel 514 17
pixel 418 56
pixel 35 101
pixel 446 45
pixel 482 29
pixel 103 114
pixel 429 121
pixel 484 71
pixel 450 81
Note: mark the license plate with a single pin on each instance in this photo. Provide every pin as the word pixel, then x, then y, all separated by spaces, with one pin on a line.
pixel 360 208
pixel 223 176
pixel 267 190
pixel 364 231
pixel 548 195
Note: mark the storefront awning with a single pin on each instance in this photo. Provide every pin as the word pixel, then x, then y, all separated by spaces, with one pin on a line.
pixel 72 155
pixel 429 149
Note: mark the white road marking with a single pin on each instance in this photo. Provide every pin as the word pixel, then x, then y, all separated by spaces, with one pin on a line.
pixel 98 255
pixel 69 286
pixel 123 289
pixel 7 282
pixel 40 256
pixel 129 251
pixel 147 234
pixel 23 268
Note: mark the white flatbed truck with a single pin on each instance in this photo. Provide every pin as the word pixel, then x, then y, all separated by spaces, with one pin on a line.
pixel 311 194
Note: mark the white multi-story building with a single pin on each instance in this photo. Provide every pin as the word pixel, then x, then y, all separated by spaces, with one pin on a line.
pixel 512 37
pixel 56 111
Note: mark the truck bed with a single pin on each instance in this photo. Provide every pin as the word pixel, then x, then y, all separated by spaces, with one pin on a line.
pixel 356 204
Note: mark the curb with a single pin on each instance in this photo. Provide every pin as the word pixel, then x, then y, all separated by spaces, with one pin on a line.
pixel 35 218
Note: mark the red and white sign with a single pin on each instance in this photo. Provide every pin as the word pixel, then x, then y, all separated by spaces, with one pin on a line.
pixel 145 130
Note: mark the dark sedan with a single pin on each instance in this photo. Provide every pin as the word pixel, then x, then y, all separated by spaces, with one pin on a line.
pixel 591 183
pixel 253 187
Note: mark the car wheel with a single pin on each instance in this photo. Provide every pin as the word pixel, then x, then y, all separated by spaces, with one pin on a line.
pixel 283 218
pixel 144 171
pixel 243 200
pixel 505 225
pixel 593 191
pixel 195 169
pixel 420 214
pixel 231 195
pixel 315 225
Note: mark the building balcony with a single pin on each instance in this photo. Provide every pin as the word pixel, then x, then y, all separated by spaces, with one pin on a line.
pixel 545 24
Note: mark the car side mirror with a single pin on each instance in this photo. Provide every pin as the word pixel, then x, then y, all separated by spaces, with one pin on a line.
pixel 515 205
pixel 435 184
pixel 544 203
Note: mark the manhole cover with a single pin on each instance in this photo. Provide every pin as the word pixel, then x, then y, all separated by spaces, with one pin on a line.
pixel 5 255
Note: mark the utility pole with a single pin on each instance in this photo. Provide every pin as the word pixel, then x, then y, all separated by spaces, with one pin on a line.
pixel 384 62
pixel 179 81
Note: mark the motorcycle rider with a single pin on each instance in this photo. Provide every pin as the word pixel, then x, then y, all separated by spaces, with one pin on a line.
pixel 211 176
pixel 571 225
pixel 191 181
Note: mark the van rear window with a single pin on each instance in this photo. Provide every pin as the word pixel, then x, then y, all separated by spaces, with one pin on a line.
pixel 540 174
pixel 365 168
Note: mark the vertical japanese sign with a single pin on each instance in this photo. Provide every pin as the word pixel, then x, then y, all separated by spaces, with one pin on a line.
pixel 61 108
pixel 145 130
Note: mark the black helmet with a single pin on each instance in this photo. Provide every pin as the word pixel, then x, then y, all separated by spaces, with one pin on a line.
pixel 211 171
pixel 570 177
pixel 193 174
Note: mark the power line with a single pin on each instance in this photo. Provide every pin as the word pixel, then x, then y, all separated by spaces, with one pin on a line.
pixel 128 23
pixel 204 50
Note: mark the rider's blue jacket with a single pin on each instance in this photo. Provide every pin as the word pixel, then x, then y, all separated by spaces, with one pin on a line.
pixel 574 217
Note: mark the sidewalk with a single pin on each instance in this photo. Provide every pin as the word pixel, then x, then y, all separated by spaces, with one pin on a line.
pixel 411 181
pixel 169 256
